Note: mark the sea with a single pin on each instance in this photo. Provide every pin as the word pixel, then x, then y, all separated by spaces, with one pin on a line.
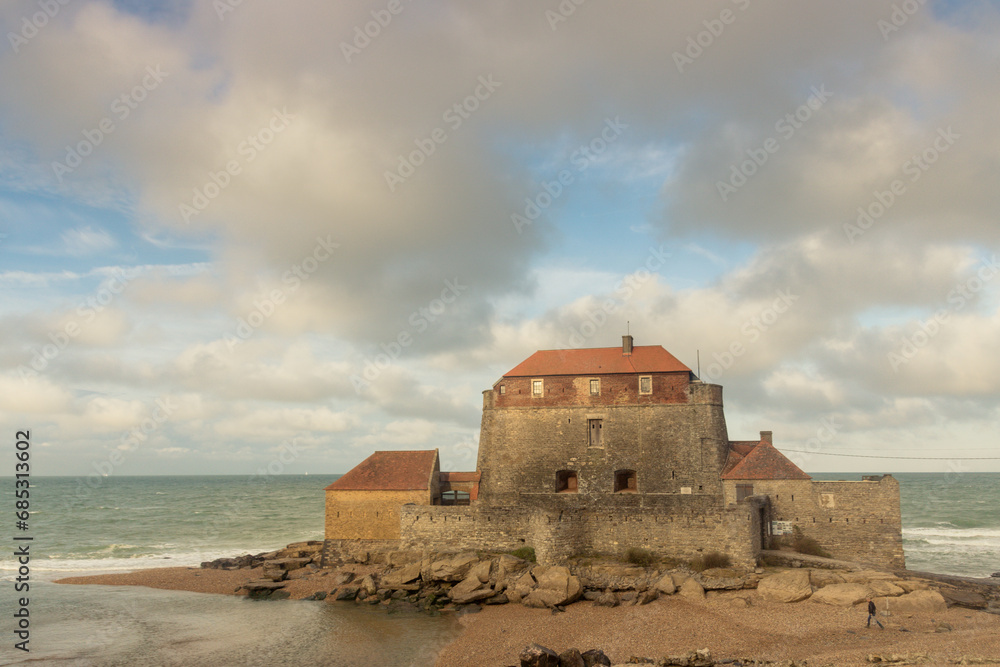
pixel 79 526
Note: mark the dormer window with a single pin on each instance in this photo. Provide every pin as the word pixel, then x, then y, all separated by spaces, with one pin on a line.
pixel 536 388
pixel 646 384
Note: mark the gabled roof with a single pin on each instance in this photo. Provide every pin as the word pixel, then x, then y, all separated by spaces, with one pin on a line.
pixel 598 361
pixel 390 471
pixel 764 462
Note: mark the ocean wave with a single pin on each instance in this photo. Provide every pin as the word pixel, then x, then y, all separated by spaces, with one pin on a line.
pixel 953 533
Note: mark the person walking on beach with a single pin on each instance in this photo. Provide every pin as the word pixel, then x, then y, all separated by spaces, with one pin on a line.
pixel 871 615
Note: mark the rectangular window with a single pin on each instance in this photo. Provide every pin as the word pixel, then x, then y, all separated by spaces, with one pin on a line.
pixel 595 432
pixel 536 387
pixel 646 384
pixel 503 389
pixel 743 491
pixel 566 481
pixel 595 387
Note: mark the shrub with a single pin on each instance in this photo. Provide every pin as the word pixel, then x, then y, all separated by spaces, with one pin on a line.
pixel 525 553
pixel 711 559
pixel 640 557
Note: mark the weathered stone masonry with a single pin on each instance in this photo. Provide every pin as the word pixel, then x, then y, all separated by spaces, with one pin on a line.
pixel 604 450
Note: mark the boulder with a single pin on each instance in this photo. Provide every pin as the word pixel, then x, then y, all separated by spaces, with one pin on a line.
pixel 958 598
pixel 720 579
pixel 556 586
pixel 302 573
pixel 275 573
pixel 402 578
pixel 788 586
pixel 481 571
pixel 679 578
pixel 607 599
pixel 469 590
pixel 883 588
pixel 347 593
pixel 864 576
pixel 343 578
pixel 288 563
pixel 666 585
pixel 821 578
pixel 841 595
pixel 917 602
pixel 648 596
pixel 910 585
pixel 507 569
pixel 692 590
pixel 263 585
pixel 538 656
pixel 617 576
pixel 497 599
pixel 571 658
pixel 595 658
pixel 454 568
pixel 368 585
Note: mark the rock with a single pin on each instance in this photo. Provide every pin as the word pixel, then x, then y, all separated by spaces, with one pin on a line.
pixel 343 578
pixel 590 596
pixel 262 585
pixel 617 576
pixel 481 571
pixel 910 585
pixel 883 588
pixel 821 578
pixel 648 596
pixel 841 595
pixel 666 585
pixel 347 593
pixel 469 590
pixel 607 599
pixel 401 579
pixel 538 656
pixel 864 576
pixel 788 586
pixel 455 568
pixel 702 658
pixel 595 658
pixel 279 594
pixel 679 578
pixel 301 573
pixel 368 585
pixel 995 574
pixel 288 563
pixel 571 658
pixel 917 602
pixel 692 590
pixel 716 581
pixel 497 599
pixel 958 598
pixel 275 574
pixel 559 581
pixel 543 598
pixel 943 627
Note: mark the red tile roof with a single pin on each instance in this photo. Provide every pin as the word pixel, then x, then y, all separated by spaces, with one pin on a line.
pixel 390 471
pixel 764 462
pixel 598 361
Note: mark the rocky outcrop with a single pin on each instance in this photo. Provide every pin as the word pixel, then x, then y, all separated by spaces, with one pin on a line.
pixel 914 603
pixel 841 595
pixel 788 586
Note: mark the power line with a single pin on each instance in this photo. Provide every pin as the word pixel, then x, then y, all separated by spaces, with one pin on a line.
pixel 911 458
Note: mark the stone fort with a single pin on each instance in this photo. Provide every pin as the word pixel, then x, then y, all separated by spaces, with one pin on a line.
pixel 601 450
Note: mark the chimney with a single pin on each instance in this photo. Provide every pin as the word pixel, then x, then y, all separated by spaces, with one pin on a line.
pixel 766 437
pixel 626 345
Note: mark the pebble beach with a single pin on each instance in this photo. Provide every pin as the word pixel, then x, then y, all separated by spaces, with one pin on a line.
pixel 738 624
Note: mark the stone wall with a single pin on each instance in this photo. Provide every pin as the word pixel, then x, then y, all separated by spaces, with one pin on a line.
pixel 852 520
pixel 573 390
pixel 671 446
pixel 681 526
pixel 368 515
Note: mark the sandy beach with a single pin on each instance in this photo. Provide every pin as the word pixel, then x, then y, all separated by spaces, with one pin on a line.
pixel 731 625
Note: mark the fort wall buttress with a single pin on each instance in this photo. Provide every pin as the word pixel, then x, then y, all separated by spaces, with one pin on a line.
pixel 368 515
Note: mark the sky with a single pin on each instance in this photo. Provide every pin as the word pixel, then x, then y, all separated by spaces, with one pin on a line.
pixel 261 237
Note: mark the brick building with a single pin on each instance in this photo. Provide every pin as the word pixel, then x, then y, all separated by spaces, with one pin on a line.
pixel 603 450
